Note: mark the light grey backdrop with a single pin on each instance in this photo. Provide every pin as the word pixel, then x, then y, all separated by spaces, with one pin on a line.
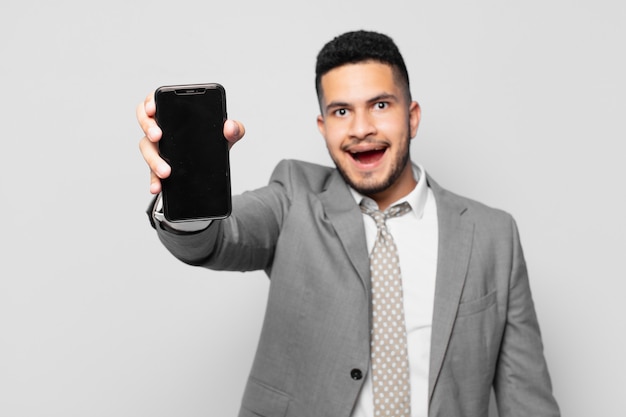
pixel 523 108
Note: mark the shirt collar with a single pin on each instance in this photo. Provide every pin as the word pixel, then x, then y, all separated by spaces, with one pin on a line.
pixel 416 198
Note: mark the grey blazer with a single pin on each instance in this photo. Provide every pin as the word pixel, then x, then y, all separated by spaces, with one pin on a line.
pixel 305 230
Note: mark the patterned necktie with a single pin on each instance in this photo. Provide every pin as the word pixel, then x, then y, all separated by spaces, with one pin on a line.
pixel 390 362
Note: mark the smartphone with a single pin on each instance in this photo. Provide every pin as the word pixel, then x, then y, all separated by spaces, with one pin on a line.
pixel 192 120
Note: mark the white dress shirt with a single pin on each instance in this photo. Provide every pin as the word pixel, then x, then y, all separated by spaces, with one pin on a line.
pixel 416 237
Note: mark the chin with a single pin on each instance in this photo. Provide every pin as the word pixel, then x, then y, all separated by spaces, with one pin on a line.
pixel 371 183
pixel 367 186
pixel 370 189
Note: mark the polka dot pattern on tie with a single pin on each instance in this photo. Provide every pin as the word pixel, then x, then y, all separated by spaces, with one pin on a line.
pixel 390 367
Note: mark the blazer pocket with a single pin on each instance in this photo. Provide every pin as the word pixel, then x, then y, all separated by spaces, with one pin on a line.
pixel 467 308
pixel 262 400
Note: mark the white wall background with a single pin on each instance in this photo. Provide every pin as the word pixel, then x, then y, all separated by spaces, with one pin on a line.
pixel 523 108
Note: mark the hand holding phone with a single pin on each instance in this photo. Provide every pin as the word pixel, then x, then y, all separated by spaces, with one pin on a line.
pixel 192 119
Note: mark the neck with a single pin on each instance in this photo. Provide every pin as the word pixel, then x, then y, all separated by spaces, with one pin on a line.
pixel 401 188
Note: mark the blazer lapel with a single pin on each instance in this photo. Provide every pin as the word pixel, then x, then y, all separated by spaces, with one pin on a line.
pixel 345 216
pixel 455 242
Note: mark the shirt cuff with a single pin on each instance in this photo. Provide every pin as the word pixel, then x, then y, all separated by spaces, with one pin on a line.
pixel 190 226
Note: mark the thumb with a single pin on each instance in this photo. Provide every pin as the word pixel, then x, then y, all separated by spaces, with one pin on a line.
pixel 233 131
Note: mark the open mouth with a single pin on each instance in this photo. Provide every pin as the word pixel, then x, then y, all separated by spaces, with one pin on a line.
pixel 368 157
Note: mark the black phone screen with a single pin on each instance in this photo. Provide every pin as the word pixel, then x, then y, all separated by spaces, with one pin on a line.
pixel 192 120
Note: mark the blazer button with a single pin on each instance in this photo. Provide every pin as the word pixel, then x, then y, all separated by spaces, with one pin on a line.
pixel 356 374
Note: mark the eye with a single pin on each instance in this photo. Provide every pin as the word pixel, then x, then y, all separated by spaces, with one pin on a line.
pixel 340 112
pixel 381 105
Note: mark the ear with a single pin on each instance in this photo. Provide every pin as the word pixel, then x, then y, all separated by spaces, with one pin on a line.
pixel 415 115
pixel 321 125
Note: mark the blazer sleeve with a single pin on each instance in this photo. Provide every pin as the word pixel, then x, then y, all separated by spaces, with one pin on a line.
pixel 522 384
pixel 245 240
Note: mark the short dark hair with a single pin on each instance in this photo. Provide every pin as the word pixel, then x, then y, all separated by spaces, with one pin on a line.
pixel 361 46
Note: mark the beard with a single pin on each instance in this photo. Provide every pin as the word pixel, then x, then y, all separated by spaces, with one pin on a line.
pixel 368 188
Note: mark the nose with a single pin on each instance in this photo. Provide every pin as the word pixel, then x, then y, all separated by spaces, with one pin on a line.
pixel 362 125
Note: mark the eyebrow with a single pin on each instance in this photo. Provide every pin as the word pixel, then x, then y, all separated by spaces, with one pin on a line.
pixel 375 99
pixel 383 97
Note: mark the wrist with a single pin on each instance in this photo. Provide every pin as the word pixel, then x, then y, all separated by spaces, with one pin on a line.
pixel 188 226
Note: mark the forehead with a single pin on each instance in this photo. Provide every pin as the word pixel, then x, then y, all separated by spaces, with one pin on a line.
pixel 358 82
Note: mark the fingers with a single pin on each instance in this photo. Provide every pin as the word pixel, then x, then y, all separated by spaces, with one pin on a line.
pixel 155 183
pixel 148 144
pixel 233 132
pixel 158 167
pixel 145 116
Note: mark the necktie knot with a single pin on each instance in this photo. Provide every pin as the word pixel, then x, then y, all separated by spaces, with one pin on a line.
pixel 380 216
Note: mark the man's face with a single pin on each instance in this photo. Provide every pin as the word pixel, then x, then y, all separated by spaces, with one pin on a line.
pixel 367 123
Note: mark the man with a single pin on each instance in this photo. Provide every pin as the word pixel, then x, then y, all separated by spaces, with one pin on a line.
pixel 465 312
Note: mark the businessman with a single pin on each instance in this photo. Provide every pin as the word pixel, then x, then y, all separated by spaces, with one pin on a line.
pixel 389 295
